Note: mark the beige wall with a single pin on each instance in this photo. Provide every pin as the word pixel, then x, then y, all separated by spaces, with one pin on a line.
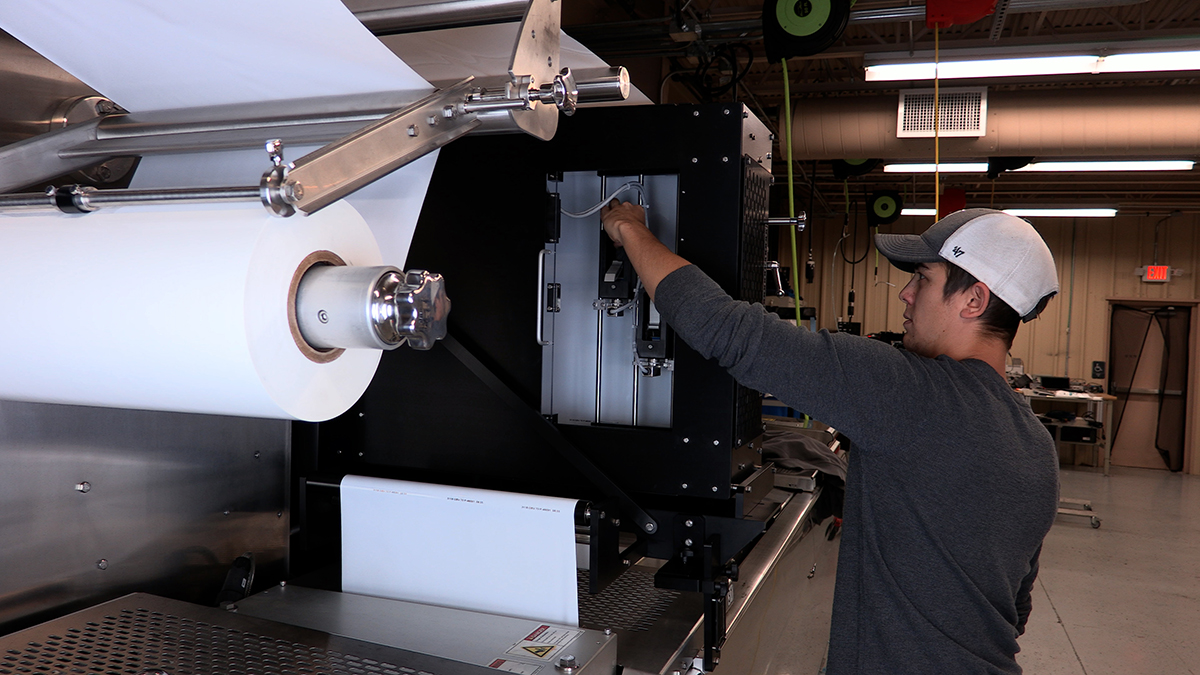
pixel 1096 263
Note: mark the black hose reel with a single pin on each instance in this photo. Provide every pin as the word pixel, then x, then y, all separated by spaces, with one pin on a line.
pixel 802 27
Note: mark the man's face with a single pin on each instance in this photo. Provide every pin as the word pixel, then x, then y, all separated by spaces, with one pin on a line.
pixel 929 316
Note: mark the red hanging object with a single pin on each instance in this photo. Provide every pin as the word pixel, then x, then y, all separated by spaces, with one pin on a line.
pixel 953 199
pixel 956 12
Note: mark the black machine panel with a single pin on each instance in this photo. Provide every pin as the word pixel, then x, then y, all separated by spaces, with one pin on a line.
pixel 486 217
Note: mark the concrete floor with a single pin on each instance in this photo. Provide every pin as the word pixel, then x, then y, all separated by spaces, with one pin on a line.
pixel 1124 598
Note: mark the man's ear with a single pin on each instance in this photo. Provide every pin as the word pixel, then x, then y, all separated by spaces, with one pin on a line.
pixel 975 300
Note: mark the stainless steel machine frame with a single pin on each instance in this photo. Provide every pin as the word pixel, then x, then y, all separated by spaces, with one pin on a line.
pixel 98 501
pixel 500 642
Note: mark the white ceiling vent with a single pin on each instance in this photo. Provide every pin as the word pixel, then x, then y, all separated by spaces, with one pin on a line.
pixel 962 111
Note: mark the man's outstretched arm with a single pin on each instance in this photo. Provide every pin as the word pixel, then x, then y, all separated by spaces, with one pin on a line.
pixel 625 223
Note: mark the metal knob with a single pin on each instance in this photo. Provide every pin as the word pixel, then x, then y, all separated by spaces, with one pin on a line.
pixel 421 310
pixel 341 307
pixel 798 222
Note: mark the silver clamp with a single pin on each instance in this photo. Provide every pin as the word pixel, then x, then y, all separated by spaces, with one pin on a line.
pixel 562 92
pixel 278 194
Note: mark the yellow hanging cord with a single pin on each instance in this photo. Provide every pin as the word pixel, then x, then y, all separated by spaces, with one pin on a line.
pixel 787 128
pixel 937 128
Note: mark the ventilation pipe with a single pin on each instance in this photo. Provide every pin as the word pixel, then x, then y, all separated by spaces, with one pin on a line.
pixel 1108 122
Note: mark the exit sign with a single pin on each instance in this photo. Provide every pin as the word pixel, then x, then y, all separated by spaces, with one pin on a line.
pixel 1156 273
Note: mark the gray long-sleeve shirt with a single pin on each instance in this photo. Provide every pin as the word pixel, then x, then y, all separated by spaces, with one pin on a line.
pixel 953 483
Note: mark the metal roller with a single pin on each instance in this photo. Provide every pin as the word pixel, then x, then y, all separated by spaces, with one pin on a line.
pixel 343 307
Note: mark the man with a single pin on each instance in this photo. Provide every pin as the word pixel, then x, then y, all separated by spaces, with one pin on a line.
pixel 953 482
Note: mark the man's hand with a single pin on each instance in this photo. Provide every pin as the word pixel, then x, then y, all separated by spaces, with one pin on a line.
pixel 617 214
pixel 625 224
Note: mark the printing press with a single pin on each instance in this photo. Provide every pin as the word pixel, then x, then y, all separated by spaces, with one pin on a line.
pixel 694 552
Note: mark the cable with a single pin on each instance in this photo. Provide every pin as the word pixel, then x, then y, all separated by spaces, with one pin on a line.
pixel 937 129
pixel 627 186
pixel 728 54
pixel 847 229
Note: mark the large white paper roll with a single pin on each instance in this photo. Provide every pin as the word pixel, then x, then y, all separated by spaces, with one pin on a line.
pixel 171 309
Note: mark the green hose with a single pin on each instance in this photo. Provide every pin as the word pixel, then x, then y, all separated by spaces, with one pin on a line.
pixel 787 126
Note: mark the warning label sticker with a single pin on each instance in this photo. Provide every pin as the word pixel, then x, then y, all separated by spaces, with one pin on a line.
pixel 515 667
pixel 544 642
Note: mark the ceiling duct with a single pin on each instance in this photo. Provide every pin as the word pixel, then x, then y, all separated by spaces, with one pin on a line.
pixel 1107 122
pixel 917 12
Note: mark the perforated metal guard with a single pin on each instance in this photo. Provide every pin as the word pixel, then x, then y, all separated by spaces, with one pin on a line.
pixel 142 633
pixel 631 603
pixel 755 204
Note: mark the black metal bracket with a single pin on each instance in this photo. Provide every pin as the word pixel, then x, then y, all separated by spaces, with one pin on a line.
pixel 553 436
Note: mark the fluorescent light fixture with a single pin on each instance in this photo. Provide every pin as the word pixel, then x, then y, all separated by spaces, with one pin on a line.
pixel 1083 64
pixel 1149 165
pixel 955 70
pixel 1054 212
pixel 1062 213
pixel 1149 63
pixel 1076 166
pixel 969 167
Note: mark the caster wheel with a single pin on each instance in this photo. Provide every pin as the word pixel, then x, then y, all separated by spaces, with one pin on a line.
pixel 1095 522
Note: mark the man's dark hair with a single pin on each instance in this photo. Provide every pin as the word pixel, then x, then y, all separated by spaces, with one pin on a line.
pixel 998 319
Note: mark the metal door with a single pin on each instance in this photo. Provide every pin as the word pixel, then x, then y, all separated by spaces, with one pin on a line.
pixel 1149 349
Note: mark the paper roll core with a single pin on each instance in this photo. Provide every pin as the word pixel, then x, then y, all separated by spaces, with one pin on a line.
pixel 314 354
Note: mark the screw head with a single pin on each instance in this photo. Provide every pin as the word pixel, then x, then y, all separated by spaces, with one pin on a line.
pixel 695 113
pixel 688 523
pixel 687 440
pixel 684 486
pixel 714 488
pixel 102 564
pixel 83 487
pixel 687 542
pixel 412 131
pixel 716 442
pixel 293 191
pixel 724 159
pixel 695 160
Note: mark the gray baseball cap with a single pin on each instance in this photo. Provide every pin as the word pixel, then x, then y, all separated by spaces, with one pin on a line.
pixel 1001 250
